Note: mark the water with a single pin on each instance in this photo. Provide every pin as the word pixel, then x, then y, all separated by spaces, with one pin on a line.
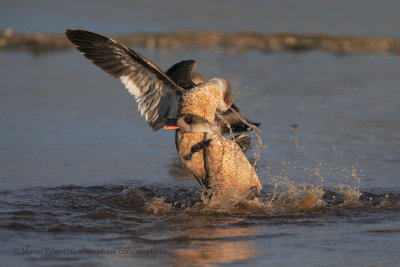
pixel 82 175
pixel 358 17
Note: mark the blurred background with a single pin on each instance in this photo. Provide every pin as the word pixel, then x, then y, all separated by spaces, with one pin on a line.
pixel 355 17
pixel 72 141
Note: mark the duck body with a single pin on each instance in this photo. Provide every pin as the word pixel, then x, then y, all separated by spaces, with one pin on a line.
pixel 182 74
pixel 184 142
pixel 231 177
pixel 201 100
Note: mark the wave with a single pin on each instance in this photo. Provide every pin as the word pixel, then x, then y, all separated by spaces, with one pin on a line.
pixel 85 209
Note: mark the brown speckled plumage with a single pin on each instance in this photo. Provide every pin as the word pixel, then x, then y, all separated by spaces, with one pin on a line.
pixel 227 171
pixel 230 173
pixel 184 142
pixel 182 73
pixel 201 100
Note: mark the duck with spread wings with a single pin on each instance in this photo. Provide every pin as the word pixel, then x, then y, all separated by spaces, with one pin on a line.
pixel 160 96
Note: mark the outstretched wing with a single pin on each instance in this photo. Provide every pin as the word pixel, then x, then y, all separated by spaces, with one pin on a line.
pixel 156 94
pixel 183 75
pixel 236 121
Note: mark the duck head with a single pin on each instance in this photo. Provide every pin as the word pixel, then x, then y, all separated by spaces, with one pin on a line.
pixel 227 95
pixel 192 123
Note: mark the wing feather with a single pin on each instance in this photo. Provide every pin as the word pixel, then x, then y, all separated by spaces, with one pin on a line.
pixel 156 94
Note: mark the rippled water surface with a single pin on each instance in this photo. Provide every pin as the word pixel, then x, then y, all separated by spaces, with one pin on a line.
pixel 85 182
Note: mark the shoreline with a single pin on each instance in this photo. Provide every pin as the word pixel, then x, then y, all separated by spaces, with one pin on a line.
pixel 38 43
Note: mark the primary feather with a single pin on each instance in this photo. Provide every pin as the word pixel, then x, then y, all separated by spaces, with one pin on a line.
pixel 156 94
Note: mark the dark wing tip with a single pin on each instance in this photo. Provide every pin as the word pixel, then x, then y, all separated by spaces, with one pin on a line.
pixel 157 125
pixel 73 34
pixel 236 121
pixel 84 38
pixel 102 51
pixel 242 126
pixel 243 141
pixel 184 64
pixel 181 73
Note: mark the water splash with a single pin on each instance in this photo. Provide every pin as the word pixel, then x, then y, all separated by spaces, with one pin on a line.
pixel 90 209
pixel 259 144
pixel 158 206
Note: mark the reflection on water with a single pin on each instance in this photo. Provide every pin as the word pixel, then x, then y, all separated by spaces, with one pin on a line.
pixel 80 169
pixel 212 242
pixel 175 219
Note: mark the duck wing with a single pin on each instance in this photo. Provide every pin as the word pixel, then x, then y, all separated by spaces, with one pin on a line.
pixel 181 73
pixel 156 94
pixel 243 141
pixel 236 121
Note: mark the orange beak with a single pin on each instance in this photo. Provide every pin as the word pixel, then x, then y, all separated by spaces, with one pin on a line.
pixel 171 127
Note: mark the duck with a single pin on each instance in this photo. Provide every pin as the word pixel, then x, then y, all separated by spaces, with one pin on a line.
pixel 184 75
pixel 232 122
pixel 203 100
pixel 231 177
pixel 159 97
